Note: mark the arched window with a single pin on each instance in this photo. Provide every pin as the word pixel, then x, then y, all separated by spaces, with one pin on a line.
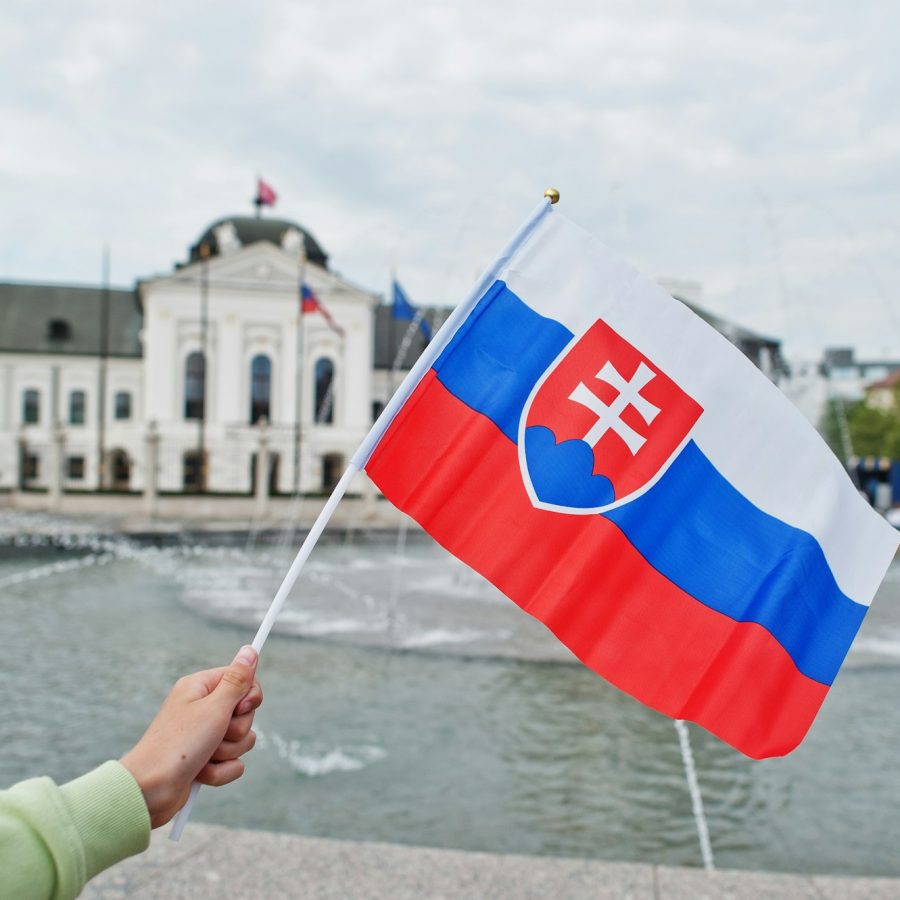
pixel 194 385
pixel 31 407
pixel 76 408
pixel 324 398
pixel 260 388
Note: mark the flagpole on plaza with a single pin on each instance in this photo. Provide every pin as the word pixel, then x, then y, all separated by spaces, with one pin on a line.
pixel 204 352
pixel 370 442
pixel 298 380
pixel 102 374
pixel 258 200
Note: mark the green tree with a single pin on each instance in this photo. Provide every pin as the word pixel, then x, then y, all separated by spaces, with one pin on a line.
pixel 873 432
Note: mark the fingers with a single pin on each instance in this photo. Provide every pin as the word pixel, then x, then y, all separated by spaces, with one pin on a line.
pixel 252 701
pixel 215 774
pixel 238 727
pixel 198 684
pixel 237 679
pixel 234 749
pixel 242 721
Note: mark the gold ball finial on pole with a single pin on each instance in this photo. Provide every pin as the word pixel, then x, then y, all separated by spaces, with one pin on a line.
pixel 552 194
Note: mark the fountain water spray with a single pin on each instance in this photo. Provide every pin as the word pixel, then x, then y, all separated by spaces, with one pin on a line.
pixel 690 771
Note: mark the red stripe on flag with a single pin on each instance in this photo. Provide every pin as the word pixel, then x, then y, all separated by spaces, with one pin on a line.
pixel 458 475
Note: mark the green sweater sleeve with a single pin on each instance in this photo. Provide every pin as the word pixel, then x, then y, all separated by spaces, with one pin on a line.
pixel 54 839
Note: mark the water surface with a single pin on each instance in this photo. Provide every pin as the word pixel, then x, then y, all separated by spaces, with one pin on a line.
pixel 449 719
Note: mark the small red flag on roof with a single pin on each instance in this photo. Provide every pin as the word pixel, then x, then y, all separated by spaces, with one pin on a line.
pixel 265 194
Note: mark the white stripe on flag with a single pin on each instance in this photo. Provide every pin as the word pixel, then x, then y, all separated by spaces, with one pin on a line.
pixel 749 430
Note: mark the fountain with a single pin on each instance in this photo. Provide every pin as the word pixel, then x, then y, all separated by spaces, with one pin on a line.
pixel 436 713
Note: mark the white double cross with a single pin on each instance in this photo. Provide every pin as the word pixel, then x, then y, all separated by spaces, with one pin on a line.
pixel 609 418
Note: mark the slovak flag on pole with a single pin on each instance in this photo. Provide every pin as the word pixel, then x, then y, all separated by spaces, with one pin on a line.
pixel 629 478
pixel 625 475
pixel 310 303
pixel 265 193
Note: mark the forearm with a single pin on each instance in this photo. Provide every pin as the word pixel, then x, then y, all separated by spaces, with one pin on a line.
pixel 54 839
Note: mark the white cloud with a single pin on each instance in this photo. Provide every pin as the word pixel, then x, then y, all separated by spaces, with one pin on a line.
pixel 418 136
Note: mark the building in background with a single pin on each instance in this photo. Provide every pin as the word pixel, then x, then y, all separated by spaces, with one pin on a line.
pixel 190 374
pixel 837 379
pixel 202 361
pixel 52 372
pixel 848 377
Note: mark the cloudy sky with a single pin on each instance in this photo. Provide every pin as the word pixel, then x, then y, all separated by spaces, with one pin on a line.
pixel 753 148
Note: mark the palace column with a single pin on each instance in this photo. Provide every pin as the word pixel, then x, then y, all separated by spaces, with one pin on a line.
pixel 57 453
pixel 151 468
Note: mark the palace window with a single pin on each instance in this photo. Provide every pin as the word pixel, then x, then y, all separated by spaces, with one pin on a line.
pixel 31 407
pixel 59 330
pixel 260 388
pixel 76 408
pixel 75 468
pixel 122 405
pixel 324 387
pixel 194 385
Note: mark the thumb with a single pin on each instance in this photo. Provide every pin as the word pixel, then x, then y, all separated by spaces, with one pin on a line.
pixel 237 679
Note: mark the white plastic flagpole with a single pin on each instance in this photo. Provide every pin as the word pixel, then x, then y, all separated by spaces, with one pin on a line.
pixel 370 442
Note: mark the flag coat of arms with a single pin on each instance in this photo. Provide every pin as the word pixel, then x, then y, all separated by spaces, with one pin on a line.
pixel 625 475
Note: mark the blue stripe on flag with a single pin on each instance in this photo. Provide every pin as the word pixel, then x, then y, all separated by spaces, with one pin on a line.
pixel 497 355
pixel 726 552
pixel 753 567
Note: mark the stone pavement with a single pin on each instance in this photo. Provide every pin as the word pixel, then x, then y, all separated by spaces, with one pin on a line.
pixel 218 863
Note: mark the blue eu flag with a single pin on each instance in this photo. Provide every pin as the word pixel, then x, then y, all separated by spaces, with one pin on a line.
pixel 403 309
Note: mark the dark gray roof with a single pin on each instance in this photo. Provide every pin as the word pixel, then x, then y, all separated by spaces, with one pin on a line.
pixel 26 311
pixel 250 230
pixel 389 332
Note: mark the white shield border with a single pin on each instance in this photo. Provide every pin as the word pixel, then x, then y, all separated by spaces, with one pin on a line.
pixel 523 462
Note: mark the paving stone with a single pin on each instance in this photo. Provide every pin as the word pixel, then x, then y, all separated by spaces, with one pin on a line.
pixel 212 862
pixel 697 884
pixel 857 888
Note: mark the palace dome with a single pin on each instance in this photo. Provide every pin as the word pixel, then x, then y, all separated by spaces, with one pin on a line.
pixel 231 233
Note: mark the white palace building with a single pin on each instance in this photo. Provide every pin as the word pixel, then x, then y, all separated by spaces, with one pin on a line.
pixel 106 387
pixel 207 378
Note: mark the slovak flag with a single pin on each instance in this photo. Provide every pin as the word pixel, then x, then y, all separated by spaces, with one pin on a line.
pixel 310 303
pixel 265 193
pixel 624 474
